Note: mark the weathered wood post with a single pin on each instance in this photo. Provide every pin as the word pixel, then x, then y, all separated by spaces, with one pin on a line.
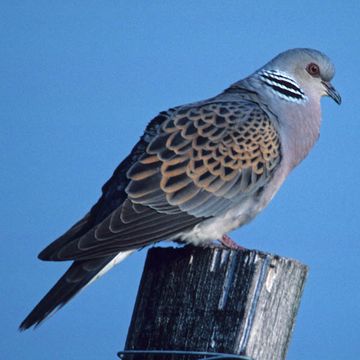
pixel 216 300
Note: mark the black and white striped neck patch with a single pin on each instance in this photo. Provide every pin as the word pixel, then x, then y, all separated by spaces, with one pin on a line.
pixel 283 85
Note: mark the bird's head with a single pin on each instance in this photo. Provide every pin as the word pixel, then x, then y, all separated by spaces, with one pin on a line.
pixel 299 74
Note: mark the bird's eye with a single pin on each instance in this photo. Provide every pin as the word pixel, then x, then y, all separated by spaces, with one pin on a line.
pixel 313 69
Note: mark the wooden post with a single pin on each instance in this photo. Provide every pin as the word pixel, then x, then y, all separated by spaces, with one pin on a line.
pixel 216 300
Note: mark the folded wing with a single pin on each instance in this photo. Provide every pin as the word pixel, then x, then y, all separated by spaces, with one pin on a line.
pixel 193 163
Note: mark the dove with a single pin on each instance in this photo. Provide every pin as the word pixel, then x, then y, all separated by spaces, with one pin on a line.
pixel 198 172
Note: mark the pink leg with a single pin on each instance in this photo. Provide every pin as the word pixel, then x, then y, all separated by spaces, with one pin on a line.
pixel 228 242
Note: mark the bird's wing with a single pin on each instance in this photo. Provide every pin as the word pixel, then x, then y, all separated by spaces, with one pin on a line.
pixel 198 162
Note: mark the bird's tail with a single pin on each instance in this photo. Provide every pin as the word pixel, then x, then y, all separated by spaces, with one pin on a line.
pixel 79 275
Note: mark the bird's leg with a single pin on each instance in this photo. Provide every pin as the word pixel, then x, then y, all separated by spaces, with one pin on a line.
pixel 227 241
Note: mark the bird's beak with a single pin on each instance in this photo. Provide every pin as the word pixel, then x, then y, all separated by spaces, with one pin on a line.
pixel 332 92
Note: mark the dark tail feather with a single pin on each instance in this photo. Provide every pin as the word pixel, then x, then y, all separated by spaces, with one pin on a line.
pixel 75 278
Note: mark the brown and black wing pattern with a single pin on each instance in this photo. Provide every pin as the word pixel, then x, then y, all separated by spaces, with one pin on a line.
pixel 200 162
pixel 205 159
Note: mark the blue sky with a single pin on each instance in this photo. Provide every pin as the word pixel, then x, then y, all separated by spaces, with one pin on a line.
pixel 79 82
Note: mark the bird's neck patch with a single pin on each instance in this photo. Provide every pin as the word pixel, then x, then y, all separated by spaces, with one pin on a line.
pixel 282 85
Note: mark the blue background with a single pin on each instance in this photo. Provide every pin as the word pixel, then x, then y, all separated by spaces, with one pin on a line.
pixel 79 80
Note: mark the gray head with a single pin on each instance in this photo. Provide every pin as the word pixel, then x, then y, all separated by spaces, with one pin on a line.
pixel 298 74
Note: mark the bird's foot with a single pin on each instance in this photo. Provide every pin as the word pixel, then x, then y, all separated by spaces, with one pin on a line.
pixel 228 242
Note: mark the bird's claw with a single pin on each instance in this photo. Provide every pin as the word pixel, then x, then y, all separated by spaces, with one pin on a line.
pixel 228 242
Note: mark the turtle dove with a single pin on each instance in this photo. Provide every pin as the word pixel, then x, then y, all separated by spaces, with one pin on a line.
pixel 199 171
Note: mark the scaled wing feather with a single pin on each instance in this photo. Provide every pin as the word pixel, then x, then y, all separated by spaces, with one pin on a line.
pixel 199 162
